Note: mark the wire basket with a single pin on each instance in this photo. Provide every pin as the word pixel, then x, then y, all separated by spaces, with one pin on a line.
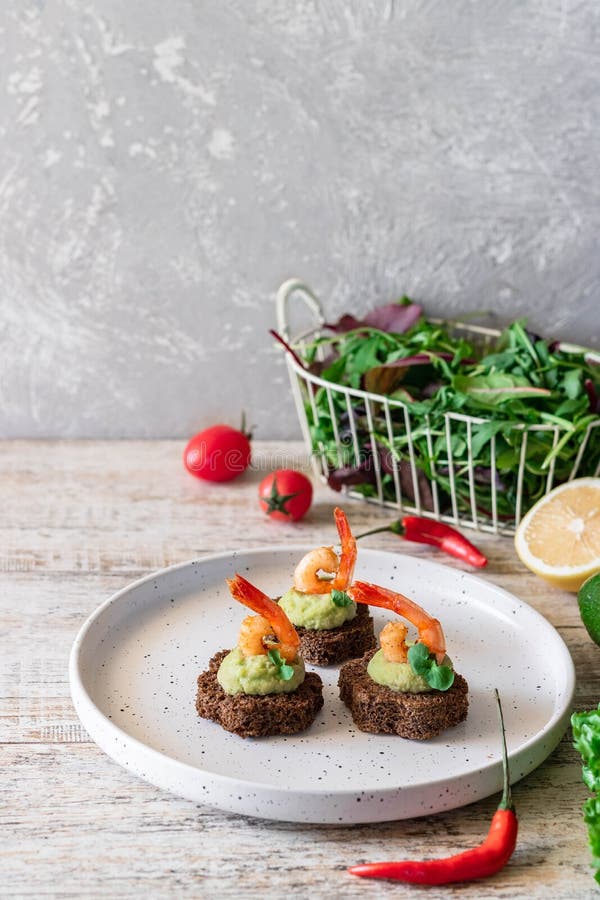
pixel 421 478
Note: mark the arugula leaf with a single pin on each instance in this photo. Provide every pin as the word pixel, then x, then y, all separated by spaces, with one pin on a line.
pixel 571 383
pixel 285 671
pixel 521 382
pixel 341 598
pixel 497 387
pixel 424 663
pixel 367 354
pixel 485 433
pixel 335 371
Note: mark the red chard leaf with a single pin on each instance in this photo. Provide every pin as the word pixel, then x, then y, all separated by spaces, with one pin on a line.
pixel 395 318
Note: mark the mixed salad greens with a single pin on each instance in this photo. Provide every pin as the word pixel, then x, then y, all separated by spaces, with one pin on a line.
pixel 522 381
pixel 586 739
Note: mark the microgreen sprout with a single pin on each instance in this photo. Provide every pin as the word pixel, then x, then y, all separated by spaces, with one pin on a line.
pixel 424 663
pixel 284 671
pixel 341 598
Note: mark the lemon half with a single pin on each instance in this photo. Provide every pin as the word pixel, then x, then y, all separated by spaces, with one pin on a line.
pixel 559 538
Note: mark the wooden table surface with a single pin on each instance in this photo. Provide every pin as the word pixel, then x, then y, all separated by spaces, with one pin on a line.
pixel 79 521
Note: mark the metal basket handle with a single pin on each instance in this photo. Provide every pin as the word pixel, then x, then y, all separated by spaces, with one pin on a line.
pixel 295 286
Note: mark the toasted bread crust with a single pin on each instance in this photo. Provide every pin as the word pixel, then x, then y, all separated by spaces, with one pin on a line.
pixel 380 710
pixel 249 715
pixel 330 646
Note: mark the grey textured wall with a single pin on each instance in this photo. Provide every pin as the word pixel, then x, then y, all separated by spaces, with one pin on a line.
pixel 163 166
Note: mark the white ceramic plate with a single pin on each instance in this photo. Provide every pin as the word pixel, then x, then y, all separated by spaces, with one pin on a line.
pixel 133 675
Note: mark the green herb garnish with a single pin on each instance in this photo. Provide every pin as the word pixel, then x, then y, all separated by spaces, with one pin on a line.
pixel 284 671
pixel 521 381
pixel 424 663
pixel 341 598
pixel 586 740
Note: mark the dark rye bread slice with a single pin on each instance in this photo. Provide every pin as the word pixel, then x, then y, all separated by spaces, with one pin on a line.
pixel 380 710
pixel 334 645
pixel 250 715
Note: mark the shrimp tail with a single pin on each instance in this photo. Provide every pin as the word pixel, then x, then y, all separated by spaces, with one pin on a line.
pixel 345 570
pixel 430 629
pixel 245 592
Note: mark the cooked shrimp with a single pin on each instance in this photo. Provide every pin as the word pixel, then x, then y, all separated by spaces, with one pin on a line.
pixel 271 620
pixel 393 642
pixel 324 559
pixel 430 630
pixel 348 554
pixel 306 577
pixel 253 631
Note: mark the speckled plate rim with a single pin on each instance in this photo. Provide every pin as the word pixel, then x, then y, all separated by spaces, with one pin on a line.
pixel 223 791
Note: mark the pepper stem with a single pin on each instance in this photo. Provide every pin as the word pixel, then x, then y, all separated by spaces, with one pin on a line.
pixel 395 527
pixel 506 800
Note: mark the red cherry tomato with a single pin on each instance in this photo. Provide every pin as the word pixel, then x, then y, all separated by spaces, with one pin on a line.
pixel 285 494
pixel 219 453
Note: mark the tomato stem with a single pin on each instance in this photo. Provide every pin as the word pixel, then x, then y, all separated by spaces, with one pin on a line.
pixel 276 502
pixel 394 527
pixel 246 432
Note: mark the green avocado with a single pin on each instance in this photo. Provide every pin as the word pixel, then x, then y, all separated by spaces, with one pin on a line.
pixel 398 676
pixel 315 611
pixel 239 674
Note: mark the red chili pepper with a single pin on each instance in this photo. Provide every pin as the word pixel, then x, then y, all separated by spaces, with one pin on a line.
pixel 486 859
pixel 427 531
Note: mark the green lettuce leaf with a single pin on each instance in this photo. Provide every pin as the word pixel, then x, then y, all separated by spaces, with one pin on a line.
pixel 586 740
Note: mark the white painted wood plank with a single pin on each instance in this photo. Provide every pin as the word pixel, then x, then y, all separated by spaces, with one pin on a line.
pixel 79 521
